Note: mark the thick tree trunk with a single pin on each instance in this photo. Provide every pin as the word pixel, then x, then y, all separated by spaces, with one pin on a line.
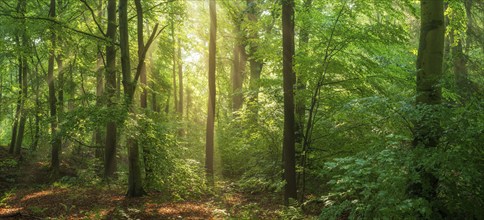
pixel 209 145
pixel 429 69
pixel 429 94
pixel 111 88
pixel 289 151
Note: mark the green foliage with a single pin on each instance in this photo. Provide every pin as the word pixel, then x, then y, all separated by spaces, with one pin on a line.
pixel 165 168
pixel 37 211
pixel 291 213
pixel 251 151
pixel 371 185
pixel 8 163
pixel 375 183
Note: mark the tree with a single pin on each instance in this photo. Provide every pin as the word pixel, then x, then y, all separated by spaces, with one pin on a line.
pixel 429 69
pixel 429 94
pixel 20 113
pixel 24 71
pixel 254 61
pixel 289 151
pixel 180 82
pixel 135 185
pixel 111 126
pixel 56 138
pixel 98 136
pixel 209 142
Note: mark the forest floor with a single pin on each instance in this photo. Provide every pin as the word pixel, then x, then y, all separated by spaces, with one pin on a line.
pixel 28 192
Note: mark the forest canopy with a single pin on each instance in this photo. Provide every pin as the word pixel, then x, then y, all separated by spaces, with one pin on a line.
pixel 241 109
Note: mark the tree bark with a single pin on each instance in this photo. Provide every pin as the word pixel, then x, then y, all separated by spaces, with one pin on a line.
pixel 180 82
pixel 98 136
pixel 461 75
pixel 111 87
pixel 175 98
pixel 237 80
pixel 255 63
pixel 300 100
pixel 24 86
pixel 56 139
pixel 209 145
pixel 13 138
pixel 135 186
pixel 23 80
pixel 429 69
pixel 429 95
pixel 290 190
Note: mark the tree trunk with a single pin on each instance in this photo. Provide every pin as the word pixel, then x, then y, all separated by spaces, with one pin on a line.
pixel 16 145
pixel 24 87
pixel 180 82
pixel 470 24
pixel 300 100
pixel 429 69
pixel 98 136
pixel 254 62
pixel 175 99
pixel 290 190
pixel 13 138
pixel 429 94
pixel 135 186
pixel 209 145
pixel 56 139
pixel 111 87
pixel 461 76
pixel 237 98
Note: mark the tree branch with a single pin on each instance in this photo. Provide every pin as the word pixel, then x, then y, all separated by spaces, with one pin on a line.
pixel 61 24
pixel 94 17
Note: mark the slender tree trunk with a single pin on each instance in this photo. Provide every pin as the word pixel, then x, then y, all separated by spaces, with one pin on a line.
pixel 300 103
pixel 461 76
pixel 429 94
pixel 289 151
pixel 135 186
pixel 98 136
pixel 181 130
pixel 56 139
pixel 180 82
pixel 13 138
pixel 35 142
pixel 23 80
pixel 175 91
pixel 143 99
pixel 470 24
pixel 237 98
pixel 111 88
pixel 209 145
pixel 23 112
